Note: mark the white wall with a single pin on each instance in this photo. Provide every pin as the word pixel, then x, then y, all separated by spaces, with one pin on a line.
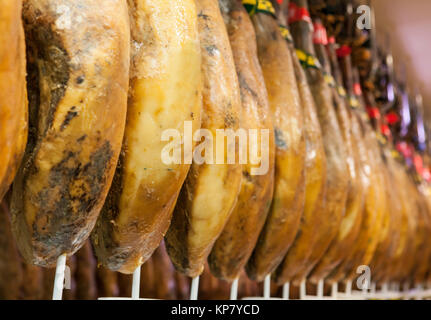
pixel 408 22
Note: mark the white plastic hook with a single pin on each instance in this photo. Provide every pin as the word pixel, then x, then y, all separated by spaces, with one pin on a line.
pixel 267 287
pixel 286 291
pixel 406 290
pixel 57 292
pixel 194 288
pixel 394 287
pixel 419 291
pixel 334 290
pixel 384 288
pixel 373 288
pixel 320 285
pixel 136 283
pixel 349 288
pixel 234 289
pixel 302 290
pixel 364 291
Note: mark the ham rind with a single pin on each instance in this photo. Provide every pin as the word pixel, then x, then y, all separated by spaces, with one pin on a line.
pixel 336 165
pixel 13 92
pixel 211 189
pixel 78 65
pixel 238 239
pixel 287 206
pixel 165 95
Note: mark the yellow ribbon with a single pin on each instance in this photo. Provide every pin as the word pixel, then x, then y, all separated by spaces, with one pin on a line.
pixel 354 102
pixel 380 138
pixel 254 6
pixel 395 154
pixel 329 80
pixel 285 33
pixel 341 91
pixel 307 60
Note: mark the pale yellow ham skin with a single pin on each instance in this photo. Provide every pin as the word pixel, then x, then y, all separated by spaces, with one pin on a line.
pixel 403 246
pixel 79 55
pixel 13 92
pixel 390 225
pixel 337 179
pixel 315 180
pixel 235 244
pixel 343 242
pixel 411 222
pixel 386 267
pixel 165 91
pixel 337 176
pixel 426 191
pixel 373 215
pixel 350 225
pixel 210 191
pixel 423 254
pixel 287 206
pixel 380 212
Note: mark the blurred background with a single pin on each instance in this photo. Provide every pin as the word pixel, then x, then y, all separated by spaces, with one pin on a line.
pixel 408 25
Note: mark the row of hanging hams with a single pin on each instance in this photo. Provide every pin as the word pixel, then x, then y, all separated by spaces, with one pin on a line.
pixel 87 281
pixel 88 92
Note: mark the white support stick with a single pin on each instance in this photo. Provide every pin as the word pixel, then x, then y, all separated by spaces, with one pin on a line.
pixel 286 291
pixel 334 290
pixel 194 289
pixel 373 288
pixel 320 285
pixel 419 292
pixel 406 289
pixel 57 292
pixel 349 288
pixel 136 283
pixel 397 286
pixel 302 290
pixel 234 289
pixel 384 288
pixel 365 290
pixel 267 287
